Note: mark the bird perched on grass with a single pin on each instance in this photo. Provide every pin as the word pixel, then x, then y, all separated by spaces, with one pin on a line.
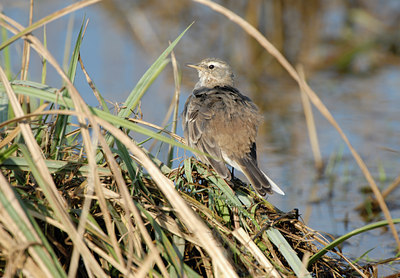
pixel 220 121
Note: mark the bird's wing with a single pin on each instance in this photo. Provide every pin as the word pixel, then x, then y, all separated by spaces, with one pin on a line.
pixel 197 117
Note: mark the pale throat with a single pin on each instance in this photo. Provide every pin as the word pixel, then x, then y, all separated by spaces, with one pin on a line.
pixel 210 81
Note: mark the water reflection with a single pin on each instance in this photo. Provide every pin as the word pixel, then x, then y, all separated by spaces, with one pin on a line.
pixel 350 54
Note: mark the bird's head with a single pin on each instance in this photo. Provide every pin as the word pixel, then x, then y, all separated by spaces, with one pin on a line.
pixel 213 72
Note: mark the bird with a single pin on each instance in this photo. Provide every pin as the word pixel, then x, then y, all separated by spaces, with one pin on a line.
pixel 220 121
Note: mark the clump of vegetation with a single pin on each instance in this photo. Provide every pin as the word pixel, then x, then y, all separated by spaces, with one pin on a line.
pixel 79 196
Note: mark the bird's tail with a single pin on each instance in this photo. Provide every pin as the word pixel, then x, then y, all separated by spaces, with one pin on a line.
pixel 262 184
pixel 274 186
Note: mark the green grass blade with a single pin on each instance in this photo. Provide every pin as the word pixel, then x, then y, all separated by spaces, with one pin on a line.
pixel 131 166
pixel 6 54
pixel 54 166
pixel 62 123
pixel 141 88
pixel 6 153
pixel 343 238
pixel 47 93
pixel 3 107
pixel 75 54
pixel 147 79
pixel 144 83
pixel 287 251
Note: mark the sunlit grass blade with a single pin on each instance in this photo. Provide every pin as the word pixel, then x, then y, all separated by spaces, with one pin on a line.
pixel 287 251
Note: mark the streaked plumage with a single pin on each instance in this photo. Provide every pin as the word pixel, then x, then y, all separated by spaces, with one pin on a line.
pixel 220 121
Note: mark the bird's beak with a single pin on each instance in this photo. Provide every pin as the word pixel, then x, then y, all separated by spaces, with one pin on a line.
pixel 194 66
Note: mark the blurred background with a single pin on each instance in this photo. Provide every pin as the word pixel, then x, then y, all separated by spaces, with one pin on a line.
pixel 350 51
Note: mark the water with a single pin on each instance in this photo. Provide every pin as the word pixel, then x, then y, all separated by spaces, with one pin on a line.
pixel 364 98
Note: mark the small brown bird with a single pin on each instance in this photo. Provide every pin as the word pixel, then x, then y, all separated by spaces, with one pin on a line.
pixel 220 121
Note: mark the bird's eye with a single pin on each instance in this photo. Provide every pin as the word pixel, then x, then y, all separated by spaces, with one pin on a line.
pixel 211 67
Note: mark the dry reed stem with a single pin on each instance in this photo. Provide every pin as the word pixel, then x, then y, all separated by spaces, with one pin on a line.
pixel 10 136
pixel 90 82
pixel 247 242
pixel 147 264
pixel 175 103
pixel 108 221
pixel 385 193
pixel 173 135
pixel 252 31
pixel 25 60
pixel 305 260
pixel 312 130
pixel 47 19
pixel 173 107
pixel 391 187
pixel 26 51
pixel 352 265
